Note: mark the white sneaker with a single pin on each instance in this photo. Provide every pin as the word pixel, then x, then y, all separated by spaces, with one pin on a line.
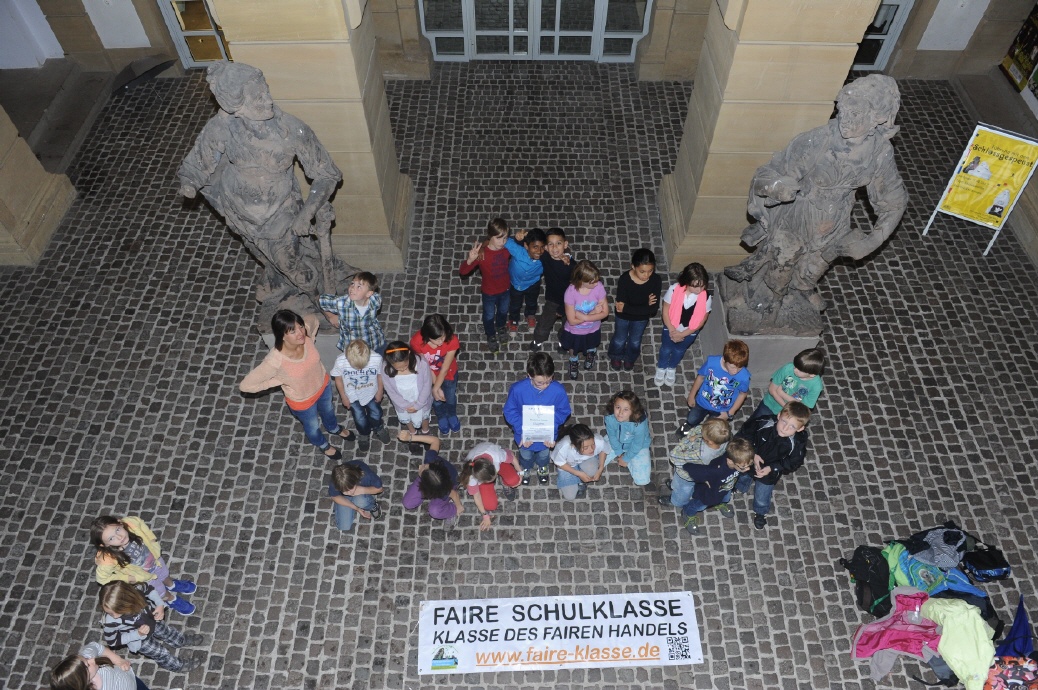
pixel 661 377
pixel 671 375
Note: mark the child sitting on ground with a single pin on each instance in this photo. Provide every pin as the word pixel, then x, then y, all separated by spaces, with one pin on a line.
pixel 437 482
pixel 539 388
pixel 353 488
pixel 355 314
pixel 780 444
pixel 483 465
pixel 627 430
pixel 580 458
pixel 700 446
pixel 713 482
pixel 799 380
pixel 720 387
pixel 356 377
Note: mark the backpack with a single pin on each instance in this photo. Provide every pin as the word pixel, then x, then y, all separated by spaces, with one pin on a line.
pixel 871 576
pixel 986 563
pixel 1013 673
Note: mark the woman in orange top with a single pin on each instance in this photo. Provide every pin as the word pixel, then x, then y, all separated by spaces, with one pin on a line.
pixel 295 365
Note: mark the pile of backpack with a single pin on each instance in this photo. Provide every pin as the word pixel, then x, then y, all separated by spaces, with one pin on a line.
pixel 923 591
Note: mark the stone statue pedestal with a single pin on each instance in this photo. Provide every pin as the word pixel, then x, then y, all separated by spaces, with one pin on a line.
pixel 327 339
pixel 767 352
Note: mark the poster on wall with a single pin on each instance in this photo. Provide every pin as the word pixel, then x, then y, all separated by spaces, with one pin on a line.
pixel 1019 63
pixel 988 180
pixel 539 633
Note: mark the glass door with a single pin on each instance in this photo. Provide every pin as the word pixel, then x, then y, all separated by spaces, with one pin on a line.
pixel 197 37
pixel 882 34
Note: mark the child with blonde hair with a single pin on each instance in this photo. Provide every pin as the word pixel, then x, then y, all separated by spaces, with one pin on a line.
pixel 356 377
pixel 586 307
pixel 700 446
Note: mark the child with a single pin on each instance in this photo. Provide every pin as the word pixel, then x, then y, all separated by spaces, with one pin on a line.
pixel 483 465
pixel 580 458
pixel 436 343
pixel 491 258
pixel 356 314
pixel 627 430
pixel 407 380
pixel 780 444
pixel 539 388
pixel 586 306
pixel 713 482
pixel 95 667
pixel 699 446
pixel 437 482
pixel 360 388
pixel 721 386
pixel 800 380
pixel 135 620
pixel 128 551
pixel 353 488
pixel 557 273
pixel 637 301
pixel 686 307
pixel 525 270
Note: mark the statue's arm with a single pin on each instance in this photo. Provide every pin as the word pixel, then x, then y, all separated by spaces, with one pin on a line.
pixel 778 181
pixel 318 166
pixel 889 200
pixel 204 156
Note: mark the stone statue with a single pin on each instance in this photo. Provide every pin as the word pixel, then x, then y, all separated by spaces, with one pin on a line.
pixel 802 202
pixel 243 163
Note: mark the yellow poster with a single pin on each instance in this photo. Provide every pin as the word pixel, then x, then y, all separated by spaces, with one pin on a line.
pixel 989 177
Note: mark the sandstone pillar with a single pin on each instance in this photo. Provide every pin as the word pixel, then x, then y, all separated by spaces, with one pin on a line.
pixel 320 61
pixel 769 69
pixel 32 200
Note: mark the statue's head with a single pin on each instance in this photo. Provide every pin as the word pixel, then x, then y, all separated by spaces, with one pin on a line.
pixel 240 89
pixel 866 104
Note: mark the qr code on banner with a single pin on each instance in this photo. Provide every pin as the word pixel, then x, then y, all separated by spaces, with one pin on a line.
pixel 677 648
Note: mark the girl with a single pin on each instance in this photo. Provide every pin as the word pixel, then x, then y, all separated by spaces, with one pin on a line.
pixel 408 382
pixel 627 431
pixel 483 465
pixel 95 667
pixel 436 343
pixel 128 551
pixel 437 482
pixel 637 301
pixel 580 458
pixel 686 307
pixel 135 621
pixel 491 258
pixel 586 306
pixel 295 365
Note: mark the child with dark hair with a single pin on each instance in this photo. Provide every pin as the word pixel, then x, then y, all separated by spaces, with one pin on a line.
pixel 637 301
pixel 353 488
pixel 355 314
pixel 436 342
pixel 580 458
pixel 799 380
pixel 483 465
pixel 686 307
pixel 627 430
pixel 135 619
pixel 437 482
pixel 525 270
pixel 491 258
pixel 540 389
pixel 407 380
pixel 721 386
pixel 557 271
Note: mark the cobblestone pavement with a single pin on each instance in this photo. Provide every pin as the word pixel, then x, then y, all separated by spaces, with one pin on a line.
pixel 124 346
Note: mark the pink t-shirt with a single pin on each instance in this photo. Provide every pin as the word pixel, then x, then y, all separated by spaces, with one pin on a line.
pixel 584 304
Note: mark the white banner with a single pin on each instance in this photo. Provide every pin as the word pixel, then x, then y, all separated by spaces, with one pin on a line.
pixel 537 633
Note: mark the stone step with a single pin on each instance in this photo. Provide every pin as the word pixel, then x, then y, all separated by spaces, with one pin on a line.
pixel 373 253
pixel 67 120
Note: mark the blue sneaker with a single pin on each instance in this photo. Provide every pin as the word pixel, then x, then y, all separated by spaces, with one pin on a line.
pixel 444 426
pixel 183 587
pixel 182 606
pixel 455 424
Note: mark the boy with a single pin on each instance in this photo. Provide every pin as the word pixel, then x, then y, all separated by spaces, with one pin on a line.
pixel 360 388
pixel 353 488
pixel 714 482
pixel 524 272
pixel 800 380
pixel 539 389
pixel 780 444
pixel 557 270
pixel 720 387
pixel 701 446
pixel 356 313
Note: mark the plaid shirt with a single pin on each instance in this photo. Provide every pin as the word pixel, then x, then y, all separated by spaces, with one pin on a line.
pixel 352 324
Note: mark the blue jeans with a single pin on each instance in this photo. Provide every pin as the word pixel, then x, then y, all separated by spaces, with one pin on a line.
pixel 495 312
pixel 344 516
pixel 682 491
pixel 519 297
pixel 761 411
pixel 367 417
pixel 529 458
pixel 671 352
pixel 448 409
pixel 626 343
pixel 697 414
pixel 695 506
pixel 761 492
pixel 323 409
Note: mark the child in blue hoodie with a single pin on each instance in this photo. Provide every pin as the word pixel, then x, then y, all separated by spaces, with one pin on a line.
pixel 524 271
pixel 539 388
pixel 627 430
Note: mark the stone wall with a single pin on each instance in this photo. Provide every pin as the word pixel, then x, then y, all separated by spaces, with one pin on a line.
pixel 671 50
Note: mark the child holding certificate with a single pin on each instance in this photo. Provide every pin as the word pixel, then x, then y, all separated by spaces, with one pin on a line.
pixel 535 409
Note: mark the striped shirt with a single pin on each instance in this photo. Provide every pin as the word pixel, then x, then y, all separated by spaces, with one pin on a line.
pixel 112 677
pixel 352 324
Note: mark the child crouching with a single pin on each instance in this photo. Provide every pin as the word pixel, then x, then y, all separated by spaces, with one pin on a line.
pixel 483 465
pixel 437 482
pixel 714 482
pixel 704 443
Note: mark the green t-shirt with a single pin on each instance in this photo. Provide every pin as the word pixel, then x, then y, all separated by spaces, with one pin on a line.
pixel 805 391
